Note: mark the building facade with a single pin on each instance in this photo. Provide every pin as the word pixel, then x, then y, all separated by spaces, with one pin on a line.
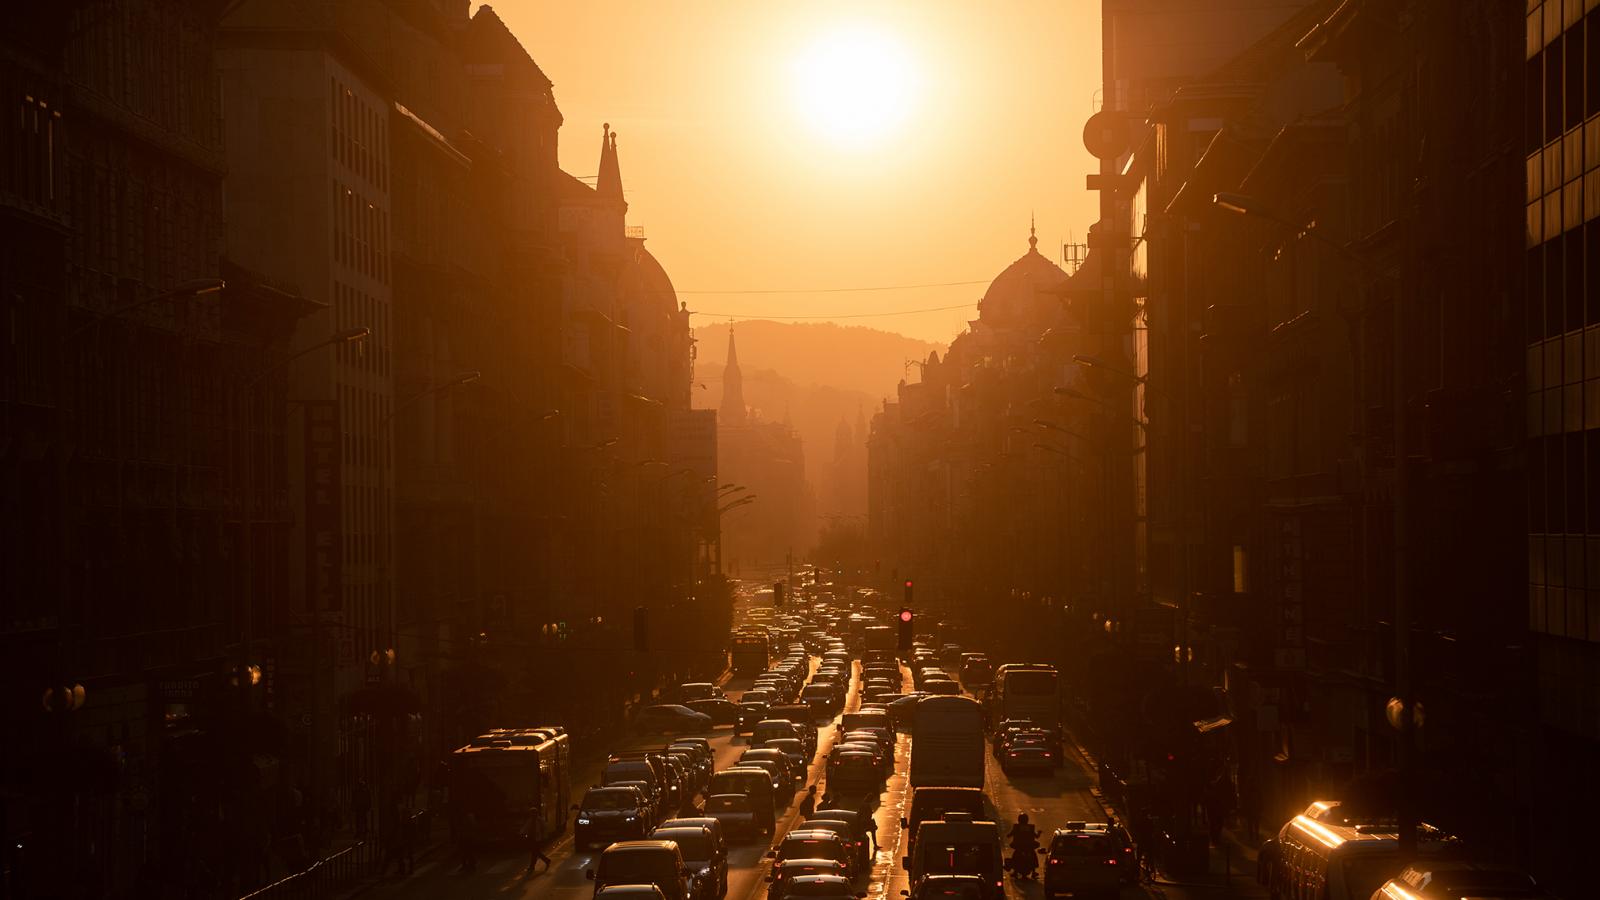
pixel 144 416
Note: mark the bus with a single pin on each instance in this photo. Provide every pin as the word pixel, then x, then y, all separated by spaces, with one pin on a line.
pixel 512 776
pixel 947 743
pixel 881 637
pixel 1026 691
pixel 750 652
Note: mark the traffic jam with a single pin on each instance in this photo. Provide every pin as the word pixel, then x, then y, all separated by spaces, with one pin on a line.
pixel 849 751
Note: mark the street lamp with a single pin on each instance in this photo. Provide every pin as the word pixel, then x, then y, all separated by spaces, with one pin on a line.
pixel 1246 205
pixel 192 288
pixel 1075 394
pixel 1095 362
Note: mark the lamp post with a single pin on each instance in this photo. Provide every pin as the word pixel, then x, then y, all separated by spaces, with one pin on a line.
pixel 193 288
pixel 1404 698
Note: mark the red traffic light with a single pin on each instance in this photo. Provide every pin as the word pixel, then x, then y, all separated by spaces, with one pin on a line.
pixel 908 582
pixel 905 615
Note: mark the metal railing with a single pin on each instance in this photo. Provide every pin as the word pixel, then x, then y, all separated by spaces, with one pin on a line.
pixel 339 873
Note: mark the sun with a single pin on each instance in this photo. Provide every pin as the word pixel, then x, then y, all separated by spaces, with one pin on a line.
pixel 855 85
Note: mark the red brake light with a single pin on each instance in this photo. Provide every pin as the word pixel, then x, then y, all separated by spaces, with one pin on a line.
pixel 1112 861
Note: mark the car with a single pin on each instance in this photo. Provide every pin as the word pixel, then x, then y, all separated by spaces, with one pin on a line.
pixel 948 887
pixel 903 709
pixel 958 844
pixel 782 780
pixel 609 814
pixel 792 748
pixel 852 823
pixel 785 872
pixel 671 718
pixel 755 782
pixel 642 862
pixel 735 813
pixel 1030 749
pixel 703 855
pixel 630 892
pixel 853 774
pixel 758 695
pixel 698 690
pixel 882 761
pixel 768 752
pixel 749 715
pixel 720 710
pixel 941 687
pixel 817 843
pixel 930 804
pixel 819 698
pixel 768 729
pixel 1084 861
pixel 822 887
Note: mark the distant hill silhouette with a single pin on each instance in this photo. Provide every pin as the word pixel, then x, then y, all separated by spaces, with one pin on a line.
pixel 847 357
pixel 815 374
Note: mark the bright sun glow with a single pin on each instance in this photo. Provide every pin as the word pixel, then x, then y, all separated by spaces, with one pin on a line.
pixel 854 85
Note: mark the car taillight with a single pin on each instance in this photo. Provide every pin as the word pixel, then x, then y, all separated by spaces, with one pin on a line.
pixel 1054 861
pixel 1111 861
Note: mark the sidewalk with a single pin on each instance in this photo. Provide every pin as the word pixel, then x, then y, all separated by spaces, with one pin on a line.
pixel 586 766
pixel 1231 863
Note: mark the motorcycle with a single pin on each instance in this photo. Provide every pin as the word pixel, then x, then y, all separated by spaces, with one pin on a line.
pixel 1024 862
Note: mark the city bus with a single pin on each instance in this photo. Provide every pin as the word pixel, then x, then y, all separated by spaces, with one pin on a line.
pixel 1026 691
pixel 750 652
pixel 510 777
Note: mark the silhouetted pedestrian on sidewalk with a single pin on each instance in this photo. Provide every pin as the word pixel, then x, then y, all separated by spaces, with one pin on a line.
pixel 809 804
pixel 533 833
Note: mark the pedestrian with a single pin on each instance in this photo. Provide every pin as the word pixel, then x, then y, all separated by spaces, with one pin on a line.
pixel 869 823
pixel 533 833
pixel 827 801
pixel 808 804
pixel 466 833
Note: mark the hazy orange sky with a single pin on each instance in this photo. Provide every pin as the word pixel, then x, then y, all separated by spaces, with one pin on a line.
pixel 758 158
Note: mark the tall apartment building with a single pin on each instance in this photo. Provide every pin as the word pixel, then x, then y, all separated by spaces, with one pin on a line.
pixel 1561 139
pixel 307 136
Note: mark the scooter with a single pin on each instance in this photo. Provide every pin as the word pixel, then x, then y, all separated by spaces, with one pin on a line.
pixel 1024 863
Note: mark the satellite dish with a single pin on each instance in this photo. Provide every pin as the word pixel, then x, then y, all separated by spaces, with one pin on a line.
pixel 1106 135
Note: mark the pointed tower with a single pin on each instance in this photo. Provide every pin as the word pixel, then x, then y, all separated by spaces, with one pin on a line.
pixel 732 409
pixel 609 184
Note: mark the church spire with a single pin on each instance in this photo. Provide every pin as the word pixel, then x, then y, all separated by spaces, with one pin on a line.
pixel 609 184
pixel 732 408
pixel 1033 240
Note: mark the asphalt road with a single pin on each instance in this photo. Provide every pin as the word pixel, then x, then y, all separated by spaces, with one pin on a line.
pixel 1049 801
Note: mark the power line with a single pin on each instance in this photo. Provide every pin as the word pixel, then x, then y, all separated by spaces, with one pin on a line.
pixel 848 290
pixel 878 315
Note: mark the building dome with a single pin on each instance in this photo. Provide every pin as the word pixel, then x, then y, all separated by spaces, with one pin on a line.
pixel 1023 290
pixel 653 279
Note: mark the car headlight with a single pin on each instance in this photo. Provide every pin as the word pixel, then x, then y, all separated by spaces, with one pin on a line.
pixel 582 821
pixel 629 818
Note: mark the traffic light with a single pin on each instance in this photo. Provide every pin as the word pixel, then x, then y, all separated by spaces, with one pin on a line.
pixel 777 593
pixel 906 629
pixel 906 599
pixel 641 629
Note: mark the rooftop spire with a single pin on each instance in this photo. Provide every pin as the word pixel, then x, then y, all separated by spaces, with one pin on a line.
pixel 732 408
pixel 1033 241
pixel 609 184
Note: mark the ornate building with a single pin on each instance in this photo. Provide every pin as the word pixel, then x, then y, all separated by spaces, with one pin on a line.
pixel 768 460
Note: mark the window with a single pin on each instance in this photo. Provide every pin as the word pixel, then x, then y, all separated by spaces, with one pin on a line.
pixel 1553 93
pixel 1575 79
pixel 1532 114
pixel 1591 28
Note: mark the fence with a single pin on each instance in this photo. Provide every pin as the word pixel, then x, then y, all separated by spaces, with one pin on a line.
pixel 341 872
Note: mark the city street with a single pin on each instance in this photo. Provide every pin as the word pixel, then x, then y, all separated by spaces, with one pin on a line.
pixel 1048 800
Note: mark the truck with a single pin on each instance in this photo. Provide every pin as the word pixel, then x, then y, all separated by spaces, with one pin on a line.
pixel 947 743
